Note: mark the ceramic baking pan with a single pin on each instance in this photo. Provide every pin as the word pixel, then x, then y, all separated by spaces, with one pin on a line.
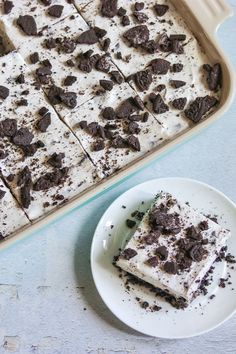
pixel 204 18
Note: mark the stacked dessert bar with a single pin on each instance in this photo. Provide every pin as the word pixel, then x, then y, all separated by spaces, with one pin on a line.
pixel 173 249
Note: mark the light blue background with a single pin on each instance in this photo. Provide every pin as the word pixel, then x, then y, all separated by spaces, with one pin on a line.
pixel 45 281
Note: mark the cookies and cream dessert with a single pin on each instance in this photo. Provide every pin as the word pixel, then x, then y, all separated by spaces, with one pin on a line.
pixel 173 248
pixel 87 88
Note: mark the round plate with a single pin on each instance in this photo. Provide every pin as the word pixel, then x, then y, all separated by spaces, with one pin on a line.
pixel 203 314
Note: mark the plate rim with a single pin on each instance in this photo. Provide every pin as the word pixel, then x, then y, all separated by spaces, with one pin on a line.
pixel 92 262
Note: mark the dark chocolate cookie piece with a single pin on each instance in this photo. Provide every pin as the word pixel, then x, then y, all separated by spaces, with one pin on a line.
pixel 137 35
pixel 130 223
pixel 177 67
pixel 116 76
pixel 54 94
pixel 103 63
pixel 160 66
pixel 25 196
pixel 196 253
pixel 109 113
pixel 109 8
pixel 125 21
pixel 98 145
pixel 55 11
pixel 88 37
pixel 177 83
pixel 8 127
pixel 139 6
pixel 69 99
pixel 24 177
pixel 133 142
pixel 170 267
pixel 162 253
pixel 151 238
pixel 27 24
pixel 143 79
pixel 106 44
pixel 158 104
pixel 23 137
pixel 153 261
pixel 179 103
pixel 50 179
pixel 70 80
pixel 43 123
pixel 7 6
pixel 199 107
pixel 214 78
pixel 161 9
pixel 46 2
pixel 106 84
pixel 126 108
pixel 128 253
pixel 119 143
pixel 56 159
pixel 4 92
pixel 193 233
pixel 133 128
pixel 140 17
pixel 2 193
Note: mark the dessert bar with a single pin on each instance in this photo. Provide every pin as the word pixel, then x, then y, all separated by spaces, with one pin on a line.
pixel 173 248
pixel 23 18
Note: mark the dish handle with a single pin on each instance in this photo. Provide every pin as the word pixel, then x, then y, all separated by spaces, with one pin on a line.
pixel 210 13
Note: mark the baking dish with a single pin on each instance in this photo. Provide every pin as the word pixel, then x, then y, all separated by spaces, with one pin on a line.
pixel 204 18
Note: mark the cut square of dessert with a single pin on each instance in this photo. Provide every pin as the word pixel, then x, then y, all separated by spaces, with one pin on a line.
pixel 173 248
pixel 24 19
pixel 115 128
pixel 67 61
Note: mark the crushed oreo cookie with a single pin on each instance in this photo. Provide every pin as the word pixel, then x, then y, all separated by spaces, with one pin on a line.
pixel 27 24
pixel 158 105
pixel 109 8
pixel 214 76
pixel 55 11
pixel 198 108
pixel 137 35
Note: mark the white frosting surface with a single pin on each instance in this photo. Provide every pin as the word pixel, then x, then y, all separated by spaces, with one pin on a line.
pixel 185 283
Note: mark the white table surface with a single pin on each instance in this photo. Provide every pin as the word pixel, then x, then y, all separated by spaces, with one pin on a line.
pixel 48 302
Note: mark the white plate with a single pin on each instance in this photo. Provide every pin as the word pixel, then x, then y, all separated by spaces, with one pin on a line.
pixel 203 314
